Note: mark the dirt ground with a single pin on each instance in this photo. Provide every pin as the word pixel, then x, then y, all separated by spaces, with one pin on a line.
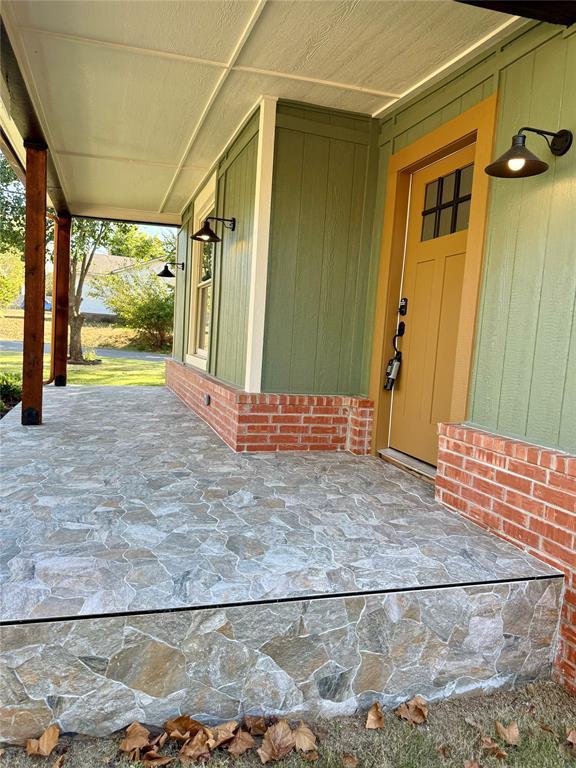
pixel 451 736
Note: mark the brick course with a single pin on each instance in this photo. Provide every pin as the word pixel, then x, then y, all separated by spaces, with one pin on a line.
pixel 524 494
pixel 274 422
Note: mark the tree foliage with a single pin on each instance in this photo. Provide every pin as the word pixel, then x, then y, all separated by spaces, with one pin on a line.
pixel 141 300
pixel 13 206
pixel 11 275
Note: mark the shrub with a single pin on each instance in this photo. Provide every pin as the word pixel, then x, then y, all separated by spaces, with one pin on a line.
pixel 11 275
pixel 141 301
pixel 10 387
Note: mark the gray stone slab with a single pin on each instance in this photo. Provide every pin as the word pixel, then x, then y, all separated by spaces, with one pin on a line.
pixel 123 500
pixel 327 656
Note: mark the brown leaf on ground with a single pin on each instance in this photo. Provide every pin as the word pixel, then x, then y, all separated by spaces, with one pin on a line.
pixel 571 736
pixel 182 728
pixel 59 762
pixel 221 734
pixel 304 738
pixel 278 742
pixel 349 761
pixel 159 741
pixel 152 758
pixel 493 748
pixel 443 750
pixel 136 737
pixel 241 743
pixel 546 727
pixel 508 733
pixel 310 757
pixel 375 718
pixel 414 711
pixel 196 748
pixel 472 764
pixel 256 725
pixel 45 744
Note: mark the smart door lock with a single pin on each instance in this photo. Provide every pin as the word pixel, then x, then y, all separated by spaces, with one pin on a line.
pixel 393 367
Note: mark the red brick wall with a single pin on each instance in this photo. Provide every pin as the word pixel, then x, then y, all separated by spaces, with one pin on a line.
pixel 524 494
pixel 275 422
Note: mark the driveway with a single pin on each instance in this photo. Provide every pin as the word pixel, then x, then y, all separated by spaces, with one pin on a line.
pixel 151 357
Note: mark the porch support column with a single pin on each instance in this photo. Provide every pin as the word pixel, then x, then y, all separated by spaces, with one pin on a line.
pixel 60 300
pixel 34 282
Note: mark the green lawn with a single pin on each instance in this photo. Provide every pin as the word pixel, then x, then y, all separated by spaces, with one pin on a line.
pixel 110 371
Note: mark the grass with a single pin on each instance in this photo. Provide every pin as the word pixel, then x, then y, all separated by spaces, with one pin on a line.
pixel 110 371
pixel 94 335
pixel 453 724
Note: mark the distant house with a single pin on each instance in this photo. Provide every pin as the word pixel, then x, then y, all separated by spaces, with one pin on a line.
pixel 107 264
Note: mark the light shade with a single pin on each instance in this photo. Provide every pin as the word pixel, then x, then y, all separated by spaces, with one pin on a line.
pixel 517 162
pixel 206 234
pixel 166 272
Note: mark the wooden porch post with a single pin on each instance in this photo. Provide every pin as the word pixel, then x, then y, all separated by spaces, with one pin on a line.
pixel 60 300
pixel 34 280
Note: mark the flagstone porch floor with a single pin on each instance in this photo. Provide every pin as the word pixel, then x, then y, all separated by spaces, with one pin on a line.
pixel 125 501
pixel 147 569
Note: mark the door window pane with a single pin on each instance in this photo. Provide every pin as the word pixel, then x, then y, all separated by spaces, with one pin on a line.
pixel 448 188
pixel 462 216
pixel 451 212
pixel 466 175
pixel 428 222
pixel 430 198
pixel 445 225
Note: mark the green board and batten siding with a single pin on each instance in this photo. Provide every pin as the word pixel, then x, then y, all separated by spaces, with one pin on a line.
pixel 235 196
pixel 322 208
pixel 525 372
pixel 524 381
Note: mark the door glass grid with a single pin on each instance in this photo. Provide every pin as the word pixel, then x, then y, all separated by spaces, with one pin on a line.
pixel 447 204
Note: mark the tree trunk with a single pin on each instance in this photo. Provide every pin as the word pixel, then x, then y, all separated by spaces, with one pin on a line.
pixel 76 323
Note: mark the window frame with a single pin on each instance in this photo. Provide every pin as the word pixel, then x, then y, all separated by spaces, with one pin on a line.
pixel 439 206
pixel 195 355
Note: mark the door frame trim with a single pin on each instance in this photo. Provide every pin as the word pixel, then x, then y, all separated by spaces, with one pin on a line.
pixel 476 125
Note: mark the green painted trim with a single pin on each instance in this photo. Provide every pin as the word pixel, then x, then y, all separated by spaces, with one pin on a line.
pixel 319 129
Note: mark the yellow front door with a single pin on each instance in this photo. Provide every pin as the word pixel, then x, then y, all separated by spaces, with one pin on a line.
pixel 434 261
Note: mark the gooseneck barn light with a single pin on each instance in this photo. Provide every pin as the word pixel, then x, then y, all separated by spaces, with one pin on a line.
pixel 518 161
pixel 207 235
pixel 167 272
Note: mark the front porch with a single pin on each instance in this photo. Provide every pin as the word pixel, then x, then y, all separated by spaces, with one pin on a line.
pixel 150 566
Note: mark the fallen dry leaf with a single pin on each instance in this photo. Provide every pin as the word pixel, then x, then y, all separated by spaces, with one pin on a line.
pixel 493 748
pixel 196 748
pixel 304 738
pixel 472 764
pixel 310 757
pixel 278 742
pixel 571 736
pixel 443 750
pixel 182 728
pixel 509 733
pixel 256 725
pixel 221 734
pixel 136 737
pixel 45 744
pixel 349 761
pixel 152 758
pixel 547 728
pixel 59 762
pixel 414 711
pixel 375 718
pixel 159 740
pixel 241 743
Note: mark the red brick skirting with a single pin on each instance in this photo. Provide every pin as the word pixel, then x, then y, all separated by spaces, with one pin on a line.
pixel 272 422
pixel 526 495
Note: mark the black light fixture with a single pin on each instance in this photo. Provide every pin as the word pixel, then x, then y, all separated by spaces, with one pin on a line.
pixel 518 161
pixel 207 235
pixel 167 272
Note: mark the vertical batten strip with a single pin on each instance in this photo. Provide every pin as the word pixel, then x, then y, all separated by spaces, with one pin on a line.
pixel 260 241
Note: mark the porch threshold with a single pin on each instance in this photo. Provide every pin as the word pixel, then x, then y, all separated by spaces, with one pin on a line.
pixel 149 567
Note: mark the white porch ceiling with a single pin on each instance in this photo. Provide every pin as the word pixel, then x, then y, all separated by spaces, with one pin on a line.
pixel 138 99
